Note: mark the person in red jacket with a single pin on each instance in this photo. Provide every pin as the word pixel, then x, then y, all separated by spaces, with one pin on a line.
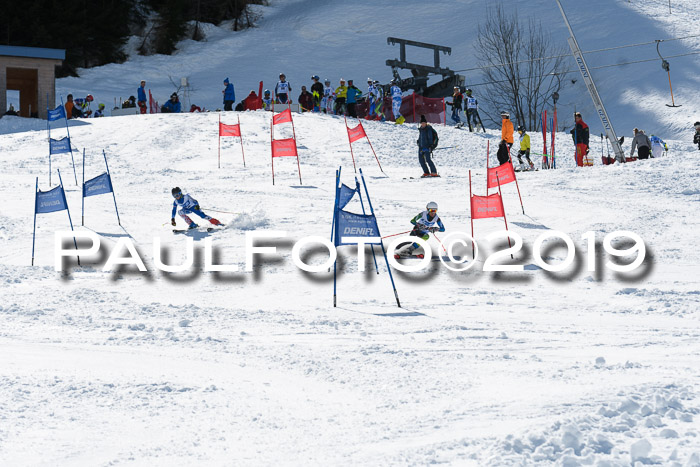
pixel 252 102
pixel 306 100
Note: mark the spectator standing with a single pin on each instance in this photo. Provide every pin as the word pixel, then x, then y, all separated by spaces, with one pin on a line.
pixel 456 106
pixel 316 92
pixel 282 89
pixel 580 133
pixel 341 93
pixel 229 95
pixel 507 129
pixel 306 100
pixel 353 93
pixel 141 97
pixel 427 142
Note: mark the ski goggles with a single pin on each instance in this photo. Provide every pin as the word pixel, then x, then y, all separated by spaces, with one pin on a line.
pixel 432 211
pixel 177 195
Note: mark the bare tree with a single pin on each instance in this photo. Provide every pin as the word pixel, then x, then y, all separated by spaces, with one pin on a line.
pixel 520 76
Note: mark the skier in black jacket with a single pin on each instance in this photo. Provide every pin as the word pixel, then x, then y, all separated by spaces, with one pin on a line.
pixel 696 139
pixel 427 142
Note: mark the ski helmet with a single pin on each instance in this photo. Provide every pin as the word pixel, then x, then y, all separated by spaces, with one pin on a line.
pixel 89 98
pixel 369 80
pixel 327 81
pixel 315 77
pixel 431 206
pixel 342 80
pixel 282 75
pixel 176 192
pixel 376 81
pixel 521 128
pixel 267 91
pixel 468 91
pixel 101 106
pixel 505 114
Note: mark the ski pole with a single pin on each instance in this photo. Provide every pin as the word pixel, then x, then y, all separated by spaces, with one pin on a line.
pixel 224 212
pixel 443 246
pixel 394 235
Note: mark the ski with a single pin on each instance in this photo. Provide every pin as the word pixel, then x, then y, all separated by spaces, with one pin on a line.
pixel 196 229
pixel 433 258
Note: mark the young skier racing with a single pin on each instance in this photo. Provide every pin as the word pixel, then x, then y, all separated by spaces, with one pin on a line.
pixel 188 205
pixel 424 223
pixel 524 149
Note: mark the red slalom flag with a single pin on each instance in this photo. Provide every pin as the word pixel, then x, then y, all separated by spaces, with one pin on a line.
pixel 503 173
pixel 229 130
pixel 282 117
pixel 356 133
pixel 484 207
pixel 284 148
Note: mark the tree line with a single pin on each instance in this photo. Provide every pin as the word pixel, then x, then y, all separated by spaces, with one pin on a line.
pixel 93 32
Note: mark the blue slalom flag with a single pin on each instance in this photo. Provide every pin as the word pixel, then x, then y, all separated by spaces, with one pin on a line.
pixel 356 225
pixel 59 146
pixel 57 113
pixel 50 201
pixel 346 194
pixel 98 185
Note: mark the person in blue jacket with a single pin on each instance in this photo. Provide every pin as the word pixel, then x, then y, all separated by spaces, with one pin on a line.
pixel 172 106
pixel 353 93
pixel 141 94
pixel 229 95
pixel 188 205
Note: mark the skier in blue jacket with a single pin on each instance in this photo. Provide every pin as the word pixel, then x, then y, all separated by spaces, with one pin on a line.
pixel 229 95
pixel 188 205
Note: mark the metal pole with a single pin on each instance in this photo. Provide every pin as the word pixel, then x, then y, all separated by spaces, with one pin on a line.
pixel 112 187
pixel 82 211
pixel 75 242
pixel 357 185
pixel 219 133
pixel 381 242
pixel 593 91
pixel 347 130
pixel 240 132
pixel 36 191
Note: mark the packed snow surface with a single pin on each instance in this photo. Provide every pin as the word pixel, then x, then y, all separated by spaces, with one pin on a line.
pixel 576 367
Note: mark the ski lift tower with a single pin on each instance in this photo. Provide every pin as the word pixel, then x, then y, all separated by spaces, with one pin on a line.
pixel 592 90
pixel 419 81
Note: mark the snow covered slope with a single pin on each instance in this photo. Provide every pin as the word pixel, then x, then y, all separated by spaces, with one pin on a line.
pixel 348 39
pixel 258 368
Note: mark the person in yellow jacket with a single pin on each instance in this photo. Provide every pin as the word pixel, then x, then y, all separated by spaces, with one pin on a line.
pixel 507 129
pixel 341 93
pixel 524 149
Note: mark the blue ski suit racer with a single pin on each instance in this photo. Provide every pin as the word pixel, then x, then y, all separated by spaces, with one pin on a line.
pixel 188 205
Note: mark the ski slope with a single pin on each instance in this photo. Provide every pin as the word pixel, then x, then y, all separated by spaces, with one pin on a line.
pixel 348 40
pixel 258 368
